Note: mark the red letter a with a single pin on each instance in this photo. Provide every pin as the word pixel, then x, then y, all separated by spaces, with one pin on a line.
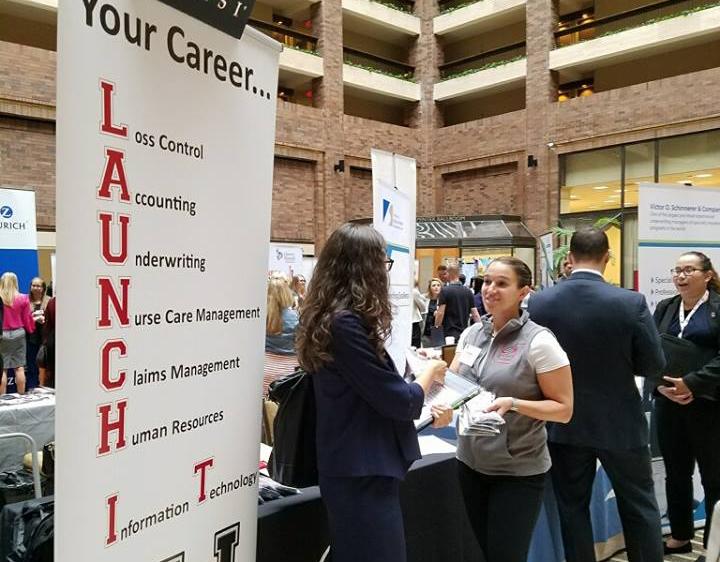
pixel 114 174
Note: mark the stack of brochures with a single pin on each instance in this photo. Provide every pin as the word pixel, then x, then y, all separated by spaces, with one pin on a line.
pixel 475 421
pixel 454 392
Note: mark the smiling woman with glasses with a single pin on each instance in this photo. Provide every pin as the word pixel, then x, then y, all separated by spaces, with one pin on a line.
pixel 686 406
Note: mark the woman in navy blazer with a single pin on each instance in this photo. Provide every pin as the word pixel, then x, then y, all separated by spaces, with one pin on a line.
pixel 366 438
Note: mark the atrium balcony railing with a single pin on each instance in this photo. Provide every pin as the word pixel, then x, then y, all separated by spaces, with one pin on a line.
pixel 482 61
pixel 287 36
pixel 592 27
pixel 407 6
pixel 376 63
pixel 447 6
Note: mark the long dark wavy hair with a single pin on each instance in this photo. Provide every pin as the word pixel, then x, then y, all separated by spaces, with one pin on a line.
pixel 350 275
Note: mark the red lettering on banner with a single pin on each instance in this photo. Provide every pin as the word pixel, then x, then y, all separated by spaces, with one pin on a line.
pixel 112 517
pixel 114 174
pixel 201 467
pixel 106 246
pixel 107 427
pixel 108 383
pixel 106 125
pixel 108 295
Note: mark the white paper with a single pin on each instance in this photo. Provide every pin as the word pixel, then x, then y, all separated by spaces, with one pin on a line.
pixel 431 444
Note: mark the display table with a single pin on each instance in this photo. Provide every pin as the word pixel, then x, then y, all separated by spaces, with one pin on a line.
pixel 33 414
pixel 294 529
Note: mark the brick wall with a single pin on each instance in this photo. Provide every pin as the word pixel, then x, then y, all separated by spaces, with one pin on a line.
pixel 293 200
pixel 27 161
pixel 359 189
pixel 488 190
pixel 478 166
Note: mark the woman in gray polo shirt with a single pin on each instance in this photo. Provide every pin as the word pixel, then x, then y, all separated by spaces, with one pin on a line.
pixel 503 477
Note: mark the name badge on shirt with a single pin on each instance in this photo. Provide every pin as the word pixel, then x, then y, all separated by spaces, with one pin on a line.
pixel 469 355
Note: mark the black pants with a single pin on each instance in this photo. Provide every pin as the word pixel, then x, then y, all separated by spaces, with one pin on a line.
pixel 365 519
pixel 32 374
pixel 502 511
pixel 630 471
pixel 416 334
pixel 688 434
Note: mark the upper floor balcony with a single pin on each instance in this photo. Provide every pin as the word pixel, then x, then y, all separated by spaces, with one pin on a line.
pixel 487 72
pixel 385 19
pixel 299 55
pixel 29 22
pixel 461 19
pixel 643 31
pixel 380 75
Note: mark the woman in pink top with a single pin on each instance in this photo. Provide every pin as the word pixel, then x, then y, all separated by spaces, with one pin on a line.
pixel 17 321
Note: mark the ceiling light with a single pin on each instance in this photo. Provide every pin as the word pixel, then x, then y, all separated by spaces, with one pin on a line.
pixel 702 176
pixel 618 191
pixel 599 187
pixel 573 197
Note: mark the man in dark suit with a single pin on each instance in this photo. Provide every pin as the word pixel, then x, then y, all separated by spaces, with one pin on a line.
pixel 609 336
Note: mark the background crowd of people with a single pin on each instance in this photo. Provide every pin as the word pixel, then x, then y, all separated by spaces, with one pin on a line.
pixel 27 344
pixel 562 364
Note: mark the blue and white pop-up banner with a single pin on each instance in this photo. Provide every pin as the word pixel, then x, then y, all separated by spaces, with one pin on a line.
pixel 18 235
pixel 673 219
pixel 394 192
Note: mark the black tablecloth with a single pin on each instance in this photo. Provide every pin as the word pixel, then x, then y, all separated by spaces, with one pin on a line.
pixel 294 529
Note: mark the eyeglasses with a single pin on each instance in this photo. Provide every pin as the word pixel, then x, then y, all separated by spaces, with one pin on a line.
pixel 389 263
pixel 687 271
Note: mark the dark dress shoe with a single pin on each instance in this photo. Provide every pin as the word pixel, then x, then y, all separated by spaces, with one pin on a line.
pixel 684 549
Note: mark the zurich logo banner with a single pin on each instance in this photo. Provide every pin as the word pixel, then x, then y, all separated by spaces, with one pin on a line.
pixel 18 235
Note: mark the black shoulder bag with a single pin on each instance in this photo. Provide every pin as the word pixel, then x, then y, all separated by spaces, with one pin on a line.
pixel 293 460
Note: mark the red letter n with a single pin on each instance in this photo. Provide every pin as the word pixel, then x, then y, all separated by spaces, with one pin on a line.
pixel 120 256
pixel 106 125
pixel 114 174
pixel 107 427
pixel 107 296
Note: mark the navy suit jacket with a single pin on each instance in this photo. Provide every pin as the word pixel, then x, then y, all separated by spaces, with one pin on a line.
pixel 364 408
pixel 609 336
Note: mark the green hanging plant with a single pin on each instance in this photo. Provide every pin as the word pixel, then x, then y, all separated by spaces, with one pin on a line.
pixel 304 50
pixel 407 76
pixel 487 66
pixel 399 6
pixel 450 9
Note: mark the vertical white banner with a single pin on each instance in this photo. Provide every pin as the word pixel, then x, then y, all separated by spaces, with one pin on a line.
pixel 165 135
pixel 673 219
pixel 394 194
pixel 546 260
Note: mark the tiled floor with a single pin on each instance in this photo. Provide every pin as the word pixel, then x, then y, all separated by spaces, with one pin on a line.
pixel 697 551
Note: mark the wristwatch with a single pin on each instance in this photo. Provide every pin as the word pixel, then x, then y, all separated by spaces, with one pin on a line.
pixel 513 405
